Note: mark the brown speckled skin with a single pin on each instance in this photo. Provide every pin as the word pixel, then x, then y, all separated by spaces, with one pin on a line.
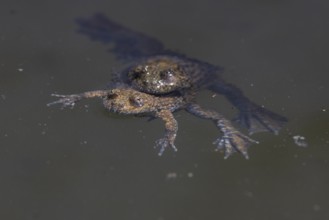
pixel 164 74
pixel 158 75
pixel 129 101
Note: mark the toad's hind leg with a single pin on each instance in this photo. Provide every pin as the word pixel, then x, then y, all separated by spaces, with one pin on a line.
pixel 127 44
pixel 251 115
pixel 170 132
pixel 232 140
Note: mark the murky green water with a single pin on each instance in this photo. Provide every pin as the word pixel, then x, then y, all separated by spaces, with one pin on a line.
pixel 87 164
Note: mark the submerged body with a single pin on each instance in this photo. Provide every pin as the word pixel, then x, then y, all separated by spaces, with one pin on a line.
pixel 128 101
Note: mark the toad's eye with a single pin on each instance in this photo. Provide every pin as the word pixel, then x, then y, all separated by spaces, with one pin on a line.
pixel 136 101
pixel 135 75
pixel 166 74
pixel 112 96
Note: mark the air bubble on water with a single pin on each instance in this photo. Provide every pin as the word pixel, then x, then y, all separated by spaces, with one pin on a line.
pixel 171 176
pixel 83 142
pixel 316 207
pixel 190 174
pixel 300 140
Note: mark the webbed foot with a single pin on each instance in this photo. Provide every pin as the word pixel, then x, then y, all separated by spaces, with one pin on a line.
pixel 163 143
pixel 65 100
pixel 234 141
pixel 258 119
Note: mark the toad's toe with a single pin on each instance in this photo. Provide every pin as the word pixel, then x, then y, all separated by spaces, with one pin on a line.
pixel 234 142
pixel 260 120
pixel 163 144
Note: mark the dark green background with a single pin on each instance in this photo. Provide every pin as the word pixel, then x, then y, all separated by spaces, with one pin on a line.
pixel 87 164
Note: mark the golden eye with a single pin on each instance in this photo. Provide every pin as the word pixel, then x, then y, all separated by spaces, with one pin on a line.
pixel 136 101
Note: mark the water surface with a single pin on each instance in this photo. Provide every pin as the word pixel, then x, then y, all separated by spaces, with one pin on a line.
pixel 87 164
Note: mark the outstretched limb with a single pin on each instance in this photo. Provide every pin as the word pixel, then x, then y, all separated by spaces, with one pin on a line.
pixel 70 100
pixel 251 115
pixel 232 139
pixel 170 132
pixel 127 44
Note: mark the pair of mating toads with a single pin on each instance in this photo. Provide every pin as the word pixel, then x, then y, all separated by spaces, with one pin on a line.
pixel 159 82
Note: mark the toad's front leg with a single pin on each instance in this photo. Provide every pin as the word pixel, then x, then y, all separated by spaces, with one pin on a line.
pixel 70 100
pixel 170 132
pixel 232 139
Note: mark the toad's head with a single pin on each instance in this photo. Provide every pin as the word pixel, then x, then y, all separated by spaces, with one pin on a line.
pixel 159 75
pixel 129 101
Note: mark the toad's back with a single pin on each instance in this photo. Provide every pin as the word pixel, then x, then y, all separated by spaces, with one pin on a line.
pixel 163 74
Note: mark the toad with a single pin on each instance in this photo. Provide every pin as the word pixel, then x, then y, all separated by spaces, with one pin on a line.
pixel 153 69
pixel 125 100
